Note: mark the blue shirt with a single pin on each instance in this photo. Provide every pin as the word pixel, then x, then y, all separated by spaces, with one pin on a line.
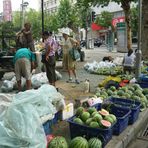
pixel 24 53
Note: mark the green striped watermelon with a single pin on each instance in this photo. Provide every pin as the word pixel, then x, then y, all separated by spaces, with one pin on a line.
pixel 95 143
pixel 58 142
pixel 79 142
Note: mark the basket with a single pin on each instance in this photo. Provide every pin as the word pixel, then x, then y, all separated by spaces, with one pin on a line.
pixel 57 117
pixel 134 106
pixel 122 115
pixel 143 78
pixel 48 124
pixel 88 132
pixel 143 84
pixel 47 127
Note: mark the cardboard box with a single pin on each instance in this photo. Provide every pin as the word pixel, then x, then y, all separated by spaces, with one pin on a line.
pixel 68 111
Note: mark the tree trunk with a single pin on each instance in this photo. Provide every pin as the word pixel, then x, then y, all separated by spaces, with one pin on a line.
pixel 86 38
pixel 126 8
pixel 144 35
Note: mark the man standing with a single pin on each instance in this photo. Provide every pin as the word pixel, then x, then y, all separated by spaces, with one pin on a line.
pixel 24 37
pixel 24 63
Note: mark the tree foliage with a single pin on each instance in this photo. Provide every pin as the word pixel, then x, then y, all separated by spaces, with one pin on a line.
pixel 104 19
pixel 67 14
pixel 84 9
pixel 134 20
pixel 34 17
pixel 51 22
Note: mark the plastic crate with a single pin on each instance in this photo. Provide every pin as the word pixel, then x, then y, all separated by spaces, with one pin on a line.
pixel 122 115
pixel 97 106
pixel 88 132
pixel 134 106
pixel 57 117
pixel 143 78
pixel 143 84
pixel 47 127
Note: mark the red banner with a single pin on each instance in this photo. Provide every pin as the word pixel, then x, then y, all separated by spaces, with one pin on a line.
pixel 118 20
pixel 96 27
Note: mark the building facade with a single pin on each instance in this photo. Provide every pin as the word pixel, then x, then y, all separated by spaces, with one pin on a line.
pixel 51 6
pixel 7 10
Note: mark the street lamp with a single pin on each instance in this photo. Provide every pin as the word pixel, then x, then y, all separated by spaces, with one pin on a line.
pixel 138 53
pixel 24 6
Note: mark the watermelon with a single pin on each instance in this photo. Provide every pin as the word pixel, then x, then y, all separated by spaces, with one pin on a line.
pixel 136 86
pixel 79 111
pixel 131 88
pixel 78 120
pixel 104 112
pixel 108 118
pixel 127 95
pixel 91 110
pixel 93 114
pixel 78 142
pixel 58 142
pixel 113 117
pixel 88 121
pixel 120 93
pixel 97 117
pixel 109 92
pixel 136 98
pixel 97 94
pixel 105 123
pixel 95 143
pixel 94 124
pixel 85 116
pixel 125 89
pixel 145 91
pixel 113 88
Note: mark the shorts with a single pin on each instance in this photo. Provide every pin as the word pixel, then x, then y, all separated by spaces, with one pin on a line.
pixel 23 69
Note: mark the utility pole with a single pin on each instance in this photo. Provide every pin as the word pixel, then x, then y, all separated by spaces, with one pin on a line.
pixel 42 7
pixel 138 53
pixel 22 14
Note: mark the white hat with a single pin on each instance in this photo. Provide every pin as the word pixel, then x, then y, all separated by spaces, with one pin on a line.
pixel 65 31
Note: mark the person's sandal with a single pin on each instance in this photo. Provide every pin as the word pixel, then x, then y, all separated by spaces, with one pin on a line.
pixel 77 81
pixel 69 81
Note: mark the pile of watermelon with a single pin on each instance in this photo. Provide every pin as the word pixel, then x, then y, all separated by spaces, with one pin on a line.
pixel 131 91
pixel 80 142
pixel 109 70
pixel 77 142
pixel 93 118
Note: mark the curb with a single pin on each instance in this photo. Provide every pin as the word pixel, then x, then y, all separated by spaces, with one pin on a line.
pixel 129 133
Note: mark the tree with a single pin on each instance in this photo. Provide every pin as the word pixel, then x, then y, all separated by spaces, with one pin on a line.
pixel 126 5
pixel 34 17
pixel 7 34
pixel 51 22
pixel 134 21
pixel 144 37
pixel 104 19
pixel 84 9
pixel 17 20
pixel 67 14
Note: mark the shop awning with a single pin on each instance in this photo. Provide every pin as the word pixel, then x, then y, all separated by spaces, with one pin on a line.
pixel 97 27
